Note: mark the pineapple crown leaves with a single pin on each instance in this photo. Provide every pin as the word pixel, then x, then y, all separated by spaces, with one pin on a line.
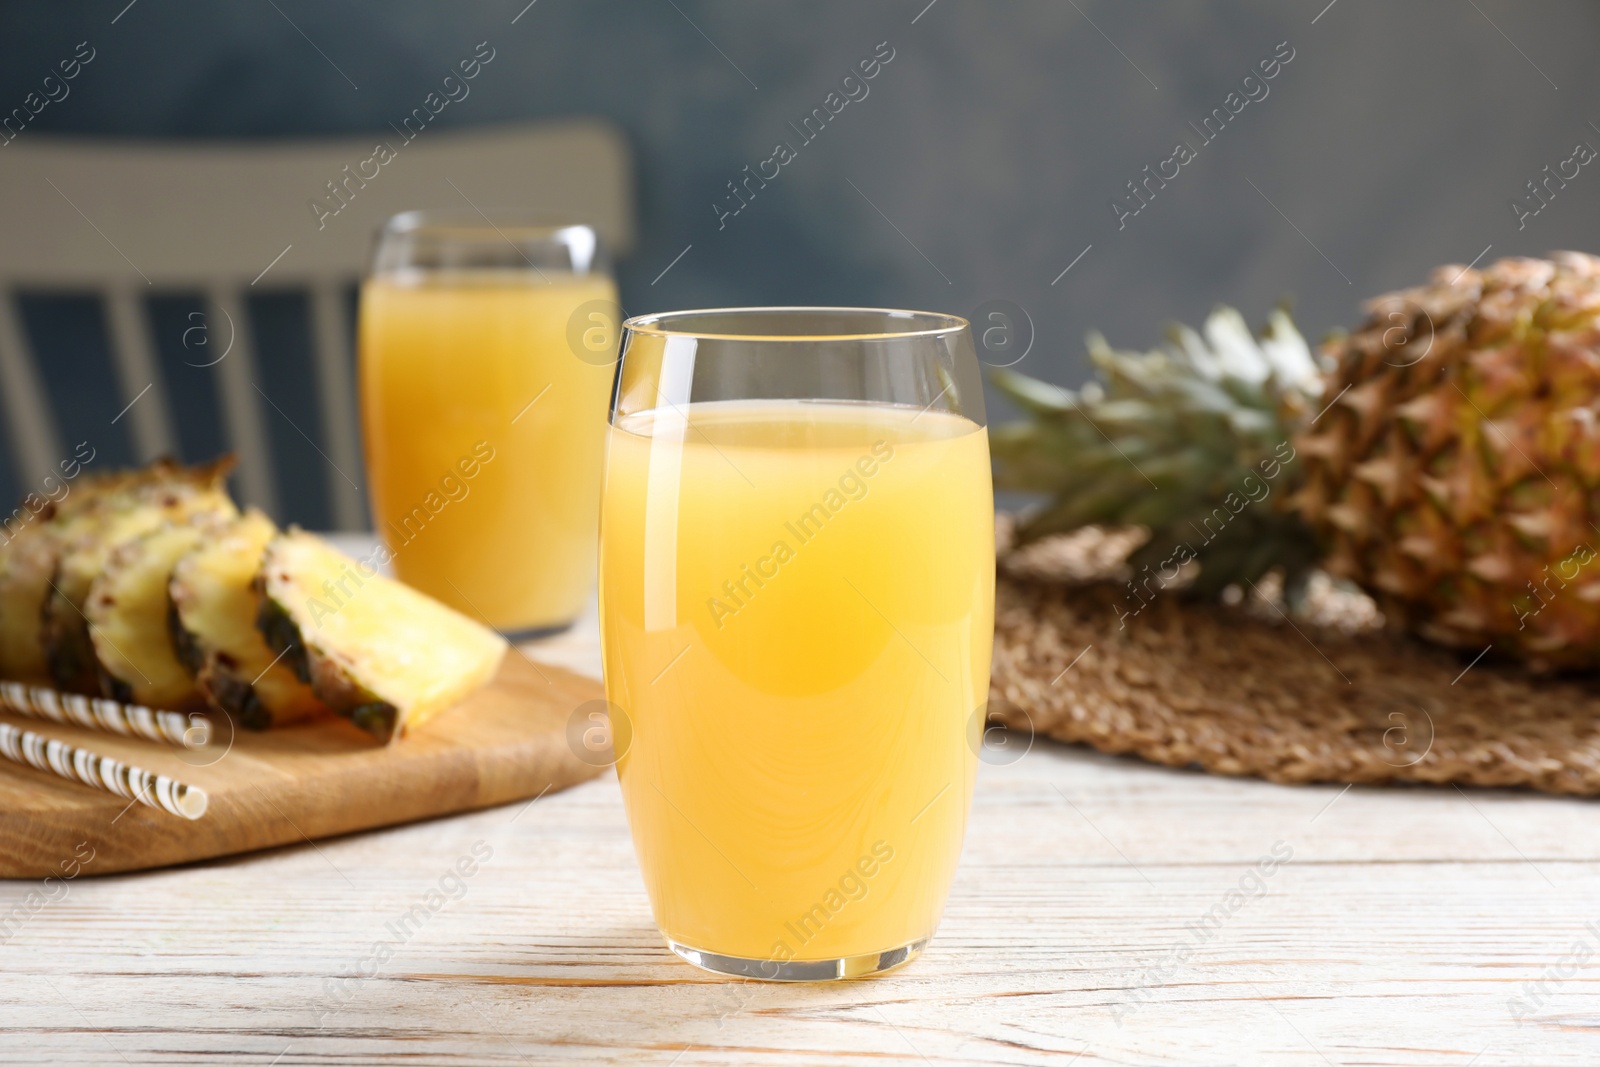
pixel 1169 440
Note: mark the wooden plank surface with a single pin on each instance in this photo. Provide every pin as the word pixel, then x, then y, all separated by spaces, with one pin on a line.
pixel 1403 928
pixel 506 742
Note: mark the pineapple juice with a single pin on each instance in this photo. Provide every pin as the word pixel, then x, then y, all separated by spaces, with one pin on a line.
pixel 484 435
pixel 797 618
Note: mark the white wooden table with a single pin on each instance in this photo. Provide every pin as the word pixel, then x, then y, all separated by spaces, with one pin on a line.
pixel 1404 928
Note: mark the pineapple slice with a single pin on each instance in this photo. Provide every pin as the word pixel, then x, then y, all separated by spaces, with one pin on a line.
pixel 167 494
pixel 25 573
pixel 127 608
pixel 376 651
pixel 215 605
pixel 28 564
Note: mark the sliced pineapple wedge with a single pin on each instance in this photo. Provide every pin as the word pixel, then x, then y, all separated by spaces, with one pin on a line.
pixel 169 494
pixel 28 565
pixel 215 605
pixel 25 573
pixel 375 651
pixel 127 609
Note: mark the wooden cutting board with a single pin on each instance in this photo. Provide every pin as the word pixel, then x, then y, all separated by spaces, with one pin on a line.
pixel 507 742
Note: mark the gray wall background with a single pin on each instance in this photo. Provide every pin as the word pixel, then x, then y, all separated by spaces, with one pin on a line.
pixel 980 165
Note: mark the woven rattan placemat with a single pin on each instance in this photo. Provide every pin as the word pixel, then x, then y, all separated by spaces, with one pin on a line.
pixel 1243 690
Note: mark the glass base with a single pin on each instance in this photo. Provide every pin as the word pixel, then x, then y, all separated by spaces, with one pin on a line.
pixel 770 970
pixel 534 633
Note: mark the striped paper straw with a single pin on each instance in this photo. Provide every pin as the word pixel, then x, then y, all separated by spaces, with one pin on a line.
pixel 101 772
pixel 95 713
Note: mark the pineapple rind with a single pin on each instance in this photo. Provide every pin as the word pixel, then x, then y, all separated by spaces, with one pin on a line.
pixel 1454 475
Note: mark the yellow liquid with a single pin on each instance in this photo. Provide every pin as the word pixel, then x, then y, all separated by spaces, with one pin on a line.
pixel 797 609
pixel 449 367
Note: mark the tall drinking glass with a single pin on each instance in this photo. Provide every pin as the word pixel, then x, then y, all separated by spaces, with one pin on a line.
pixel 797 612
pixel 487 355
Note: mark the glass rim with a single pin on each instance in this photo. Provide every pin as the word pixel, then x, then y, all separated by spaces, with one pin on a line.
pixel 928 324
pixel 443 221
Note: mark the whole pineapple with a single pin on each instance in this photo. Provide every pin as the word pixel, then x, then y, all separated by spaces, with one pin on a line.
pixel 1443 457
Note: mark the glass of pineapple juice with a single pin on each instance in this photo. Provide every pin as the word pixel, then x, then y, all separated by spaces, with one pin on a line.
pixel 487 351
pixel 797 611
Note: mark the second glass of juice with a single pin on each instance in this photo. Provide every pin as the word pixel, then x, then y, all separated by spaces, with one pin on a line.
pixel 486 358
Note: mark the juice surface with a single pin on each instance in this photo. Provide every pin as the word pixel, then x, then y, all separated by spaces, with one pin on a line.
pixel 449 368
pixel 797 607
